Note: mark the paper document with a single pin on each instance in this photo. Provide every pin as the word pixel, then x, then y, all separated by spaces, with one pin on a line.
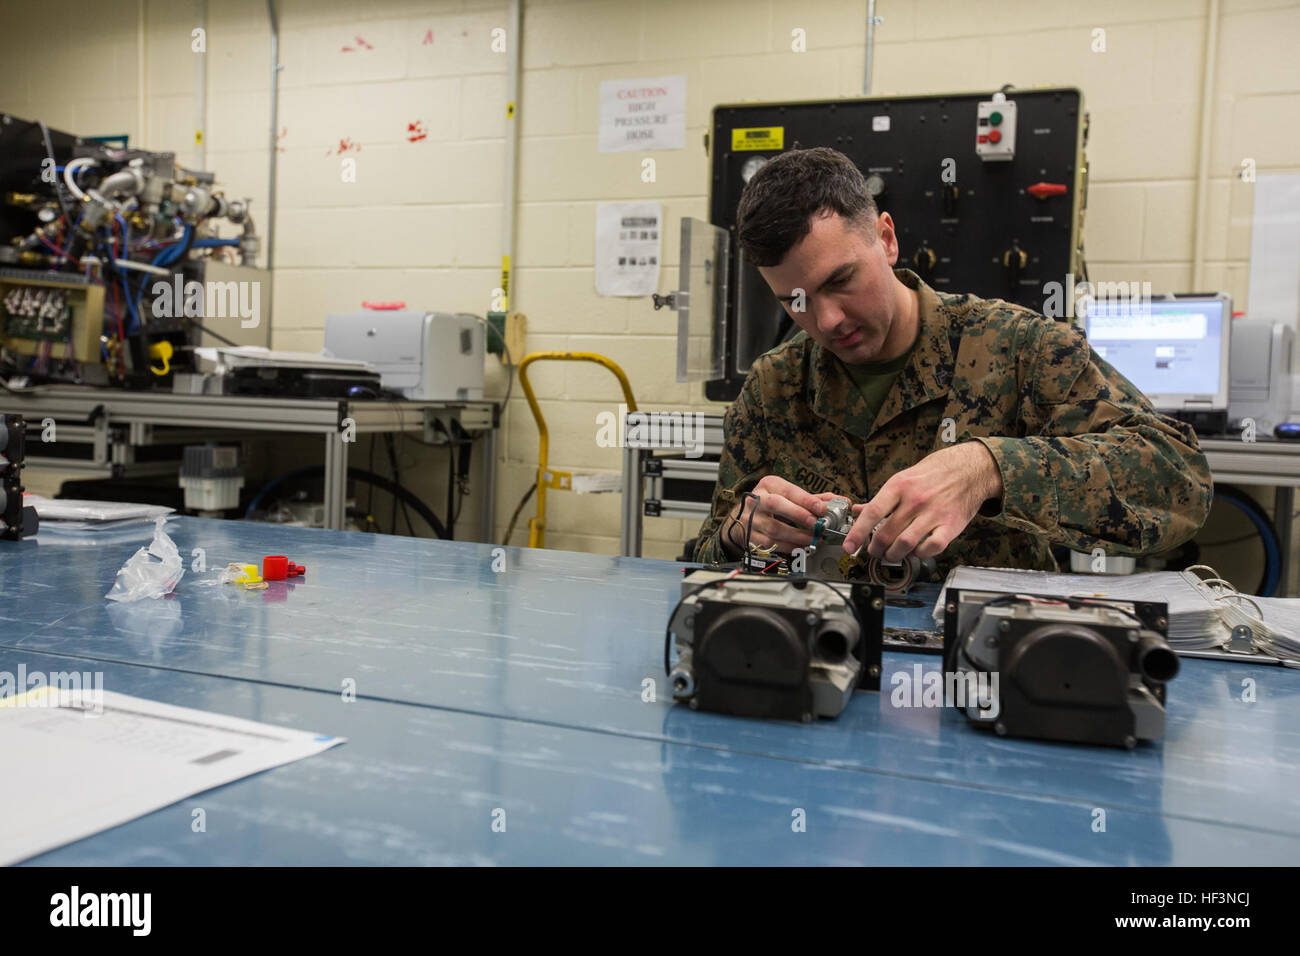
pixel 76 513
pixel 629 247
pixel 86 759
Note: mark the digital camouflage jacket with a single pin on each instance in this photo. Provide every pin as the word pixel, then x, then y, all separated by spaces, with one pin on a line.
pixel 1085 460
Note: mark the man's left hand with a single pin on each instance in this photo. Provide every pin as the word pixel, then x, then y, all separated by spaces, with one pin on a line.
pixel 921 509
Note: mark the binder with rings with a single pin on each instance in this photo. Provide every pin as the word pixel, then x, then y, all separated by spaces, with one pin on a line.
pixel 1270 627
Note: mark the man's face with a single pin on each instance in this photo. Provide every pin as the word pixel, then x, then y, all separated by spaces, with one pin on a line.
pixel 845 272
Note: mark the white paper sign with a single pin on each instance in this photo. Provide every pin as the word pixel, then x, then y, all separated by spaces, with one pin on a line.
pixel 642 115
pixel 629 244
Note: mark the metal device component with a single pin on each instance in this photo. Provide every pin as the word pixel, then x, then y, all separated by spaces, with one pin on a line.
pixel 833 528
pixel 839 516
pixel 1072 669
pixel 16 521
pixel 122 222
pixel 995 129
pixel 211 476
pixel 789 648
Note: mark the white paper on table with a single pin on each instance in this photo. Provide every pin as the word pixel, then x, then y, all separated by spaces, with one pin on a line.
pixel 629 245
pixel 77 772
pixel 643 114
pixel 77 510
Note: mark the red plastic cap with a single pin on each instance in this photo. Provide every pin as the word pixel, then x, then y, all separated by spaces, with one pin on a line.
pixel 384 306
pixel 275 567
pixel 296 570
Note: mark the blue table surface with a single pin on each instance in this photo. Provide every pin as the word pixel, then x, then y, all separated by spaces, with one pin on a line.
pixel 522 688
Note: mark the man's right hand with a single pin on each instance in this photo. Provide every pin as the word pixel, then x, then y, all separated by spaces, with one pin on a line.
pixel 784 516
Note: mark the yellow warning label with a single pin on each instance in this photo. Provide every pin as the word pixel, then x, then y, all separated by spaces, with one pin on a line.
pixel 198 137
pixel 767 137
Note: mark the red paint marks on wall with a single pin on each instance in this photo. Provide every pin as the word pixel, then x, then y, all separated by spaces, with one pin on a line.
pixel 284 131
pixel 416 131
pixel 346 145
pixel 428 38
pixel 361 45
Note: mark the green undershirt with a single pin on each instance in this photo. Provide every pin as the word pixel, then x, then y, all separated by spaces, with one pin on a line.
pixel 875 379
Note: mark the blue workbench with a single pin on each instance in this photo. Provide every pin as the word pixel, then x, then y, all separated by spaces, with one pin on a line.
pixel 522 689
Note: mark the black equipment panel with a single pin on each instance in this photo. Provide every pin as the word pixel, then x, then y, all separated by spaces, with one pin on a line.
pixel 966 239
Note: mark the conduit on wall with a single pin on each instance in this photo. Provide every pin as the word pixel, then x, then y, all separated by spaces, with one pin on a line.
pixel 1203 150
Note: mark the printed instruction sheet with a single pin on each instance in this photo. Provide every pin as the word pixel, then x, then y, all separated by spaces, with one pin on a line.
pixel 88 760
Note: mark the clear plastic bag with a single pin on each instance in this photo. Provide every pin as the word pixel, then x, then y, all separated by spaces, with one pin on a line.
pixel 142 577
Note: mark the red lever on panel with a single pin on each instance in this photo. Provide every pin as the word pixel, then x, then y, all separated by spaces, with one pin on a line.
pixel 1043 190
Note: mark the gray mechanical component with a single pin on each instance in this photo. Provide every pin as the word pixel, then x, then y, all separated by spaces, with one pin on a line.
pixel 833 564
pixel 1059 668
pixel 754 647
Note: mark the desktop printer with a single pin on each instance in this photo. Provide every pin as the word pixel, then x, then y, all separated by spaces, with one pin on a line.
pixel 429 356
pixel 1261 374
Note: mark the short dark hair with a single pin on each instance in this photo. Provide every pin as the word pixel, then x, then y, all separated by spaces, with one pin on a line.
pixel 778 203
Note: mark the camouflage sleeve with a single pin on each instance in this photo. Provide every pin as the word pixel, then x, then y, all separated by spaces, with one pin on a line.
pixel 744 461
pixel 1098 466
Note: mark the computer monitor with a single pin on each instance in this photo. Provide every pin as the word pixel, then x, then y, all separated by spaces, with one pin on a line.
pixel 1173 348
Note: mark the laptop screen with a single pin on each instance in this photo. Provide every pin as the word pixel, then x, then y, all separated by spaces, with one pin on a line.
pixel 1172 350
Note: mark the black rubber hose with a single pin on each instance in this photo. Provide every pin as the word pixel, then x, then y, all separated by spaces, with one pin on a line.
pixel 355 474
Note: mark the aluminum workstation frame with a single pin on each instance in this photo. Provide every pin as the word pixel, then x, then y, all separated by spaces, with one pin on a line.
pixel 91 414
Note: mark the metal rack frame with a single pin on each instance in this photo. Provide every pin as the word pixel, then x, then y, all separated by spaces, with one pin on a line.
pixel 86 414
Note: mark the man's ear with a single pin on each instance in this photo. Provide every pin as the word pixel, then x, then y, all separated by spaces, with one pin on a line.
pixel 885 233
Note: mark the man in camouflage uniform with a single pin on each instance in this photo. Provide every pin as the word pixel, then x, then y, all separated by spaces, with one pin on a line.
pixel 972 431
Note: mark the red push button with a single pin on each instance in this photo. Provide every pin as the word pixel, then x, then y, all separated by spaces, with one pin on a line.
pixel 995 136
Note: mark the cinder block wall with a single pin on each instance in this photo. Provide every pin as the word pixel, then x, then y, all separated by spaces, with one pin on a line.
pixel 422 222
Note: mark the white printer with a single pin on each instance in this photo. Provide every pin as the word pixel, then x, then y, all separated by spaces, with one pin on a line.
pixel 1261 373
pixel 431 356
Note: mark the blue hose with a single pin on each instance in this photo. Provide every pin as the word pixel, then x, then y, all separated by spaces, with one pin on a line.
pixel 1267 534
